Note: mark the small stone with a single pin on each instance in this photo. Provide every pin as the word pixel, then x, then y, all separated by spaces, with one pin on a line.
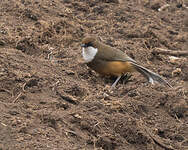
pixel 176 72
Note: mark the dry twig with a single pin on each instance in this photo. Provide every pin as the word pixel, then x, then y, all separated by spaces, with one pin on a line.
pixel 23 87
pixel 163 7
pixel 49 55
pixel 17 98
pixel 169 52
pixel 66 97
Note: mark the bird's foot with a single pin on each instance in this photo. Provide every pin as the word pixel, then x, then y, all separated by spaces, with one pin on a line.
pixel 126 77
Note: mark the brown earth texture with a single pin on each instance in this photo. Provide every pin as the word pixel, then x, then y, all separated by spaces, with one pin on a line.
pixel 50 99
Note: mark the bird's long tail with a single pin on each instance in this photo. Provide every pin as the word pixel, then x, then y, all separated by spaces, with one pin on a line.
pixel 151 76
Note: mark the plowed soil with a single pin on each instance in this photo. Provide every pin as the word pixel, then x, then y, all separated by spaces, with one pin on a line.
pixel 50 100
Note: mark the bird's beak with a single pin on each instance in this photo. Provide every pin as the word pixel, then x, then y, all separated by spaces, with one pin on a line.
pixel 83 45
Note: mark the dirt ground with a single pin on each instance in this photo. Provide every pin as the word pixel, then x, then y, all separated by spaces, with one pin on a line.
pixel 50 100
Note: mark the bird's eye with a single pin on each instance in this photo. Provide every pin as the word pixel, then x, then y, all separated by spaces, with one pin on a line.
pixel 89 44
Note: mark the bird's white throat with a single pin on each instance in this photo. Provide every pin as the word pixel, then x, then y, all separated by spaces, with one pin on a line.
pixel 89 53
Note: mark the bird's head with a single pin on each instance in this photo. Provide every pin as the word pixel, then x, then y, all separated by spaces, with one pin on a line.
pixel 89 48
pixel 89 41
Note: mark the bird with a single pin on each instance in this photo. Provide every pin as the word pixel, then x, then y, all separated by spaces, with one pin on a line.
pixel 110 61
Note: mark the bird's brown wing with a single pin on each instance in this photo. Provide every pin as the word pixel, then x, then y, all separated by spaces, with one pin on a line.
pixel 112 54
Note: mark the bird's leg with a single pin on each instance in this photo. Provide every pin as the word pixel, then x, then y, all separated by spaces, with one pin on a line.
pixel 114 84
pixel 126 77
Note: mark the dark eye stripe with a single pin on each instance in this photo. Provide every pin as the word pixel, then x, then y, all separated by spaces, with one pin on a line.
pixel 89 44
